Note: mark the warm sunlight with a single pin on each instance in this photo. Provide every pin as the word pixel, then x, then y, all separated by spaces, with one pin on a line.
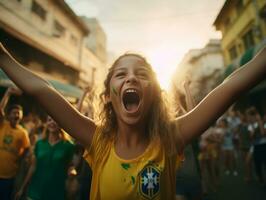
pixel 163 68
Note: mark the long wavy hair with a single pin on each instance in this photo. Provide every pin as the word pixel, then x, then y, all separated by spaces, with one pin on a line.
pixel 159 119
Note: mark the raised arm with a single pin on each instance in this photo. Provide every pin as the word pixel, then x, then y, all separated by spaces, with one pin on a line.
pixel 82 98
pixel 5 99
pixel 3 104
pixel 78 126
pixel 219 100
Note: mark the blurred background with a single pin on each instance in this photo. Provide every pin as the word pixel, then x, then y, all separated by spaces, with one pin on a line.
pixel 72 43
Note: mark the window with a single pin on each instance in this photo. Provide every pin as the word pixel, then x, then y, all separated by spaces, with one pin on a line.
pixel 38 10
pixel 233 52
pixel 59 29
pixel 73 40
pixel 248 39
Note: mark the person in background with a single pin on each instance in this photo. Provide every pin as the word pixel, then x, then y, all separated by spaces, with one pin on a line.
pixel 245 145
pixel 206 158
pixel 233 119
pixel 258 136
pixel 228 150
pixel 14 144
pixel 50 165
pixel 188 180
pixel 217 139
pixel 79 182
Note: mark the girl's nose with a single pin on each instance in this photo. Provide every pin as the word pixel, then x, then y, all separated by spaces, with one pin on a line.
pixel 131 78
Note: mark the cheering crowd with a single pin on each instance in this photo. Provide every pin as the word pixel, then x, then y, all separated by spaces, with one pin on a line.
pixel 136 149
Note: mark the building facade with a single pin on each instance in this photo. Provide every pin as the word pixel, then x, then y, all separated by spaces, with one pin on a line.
pixel 49 38
pixel 243 27
pixel 95 45
pixel 203 67
pixel 97 40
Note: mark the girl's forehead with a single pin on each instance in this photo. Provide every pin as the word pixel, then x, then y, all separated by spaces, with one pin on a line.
pixel 131 60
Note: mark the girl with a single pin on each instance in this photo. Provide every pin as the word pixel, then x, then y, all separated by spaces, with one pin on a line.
pixel 135 150
pixel 49 166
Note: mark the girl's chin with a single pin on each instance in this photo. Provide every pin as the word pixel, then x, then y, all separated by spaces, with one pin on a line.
pixel 130 121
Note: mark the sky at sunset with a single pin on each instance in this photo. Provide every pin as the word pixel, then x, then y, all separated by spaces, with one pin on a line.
pixel 161 30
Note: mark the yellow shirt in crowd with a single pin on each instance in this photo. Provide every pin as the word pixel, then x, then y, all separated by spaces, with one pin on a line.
pixel 149 176
pixel 13 141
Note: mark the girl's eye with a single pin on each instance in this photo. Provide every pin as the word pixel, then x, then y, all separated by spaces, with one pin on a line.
pixel 120 74
pixel 143 75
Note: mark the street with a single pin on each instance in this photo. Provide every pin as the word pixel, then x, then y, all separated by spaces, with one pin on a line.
pixel 234 188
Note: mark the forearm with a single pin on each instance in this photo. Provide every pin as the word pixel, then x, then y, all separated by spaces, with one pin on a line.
pixel 3 104
pixel 222 97
pixel 249 75
pixel 4 100
pixel 21 76
pixel 28 176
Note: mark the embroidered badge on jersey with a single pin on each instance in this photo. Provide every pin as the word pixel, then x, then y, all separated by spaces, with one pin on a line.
pixel 149 183
pixel 8 139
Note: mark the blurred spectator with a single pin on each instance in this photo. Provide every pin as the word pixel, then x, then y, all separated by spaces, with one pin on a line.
pixel 259 142
pixel 188 181
pixel 228 148
pixel 14 144
pixel 50 163
pixel 245 145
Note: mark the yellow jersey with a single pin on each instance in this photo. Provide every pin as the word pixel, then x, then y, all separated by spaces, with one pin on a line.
pixel 13 141
pixel 149 176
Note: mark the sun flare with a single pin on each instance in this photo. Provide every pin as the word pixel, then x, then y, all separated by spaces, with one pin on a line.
pixel 163 68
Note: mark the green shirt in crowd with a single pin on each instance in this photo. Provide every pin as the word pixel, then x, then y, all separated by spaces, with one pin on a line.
pixel 52 162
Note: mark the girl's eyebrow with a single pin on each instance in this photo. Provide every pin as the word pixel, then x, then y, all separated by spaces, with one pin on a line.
pixel 121 68
pixel 143 68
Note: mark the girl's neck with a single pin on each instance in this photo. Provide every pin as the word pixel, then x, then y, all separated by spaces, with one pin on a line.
pixel 131 136
pixel 130 142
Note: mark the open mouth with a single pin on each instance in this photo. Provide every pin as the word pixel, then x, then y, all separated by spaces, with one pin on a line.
pixel 131 100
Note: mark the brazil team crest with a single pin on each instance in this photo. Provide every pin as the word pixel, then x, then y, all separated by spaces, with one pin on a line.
pixel 149 183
